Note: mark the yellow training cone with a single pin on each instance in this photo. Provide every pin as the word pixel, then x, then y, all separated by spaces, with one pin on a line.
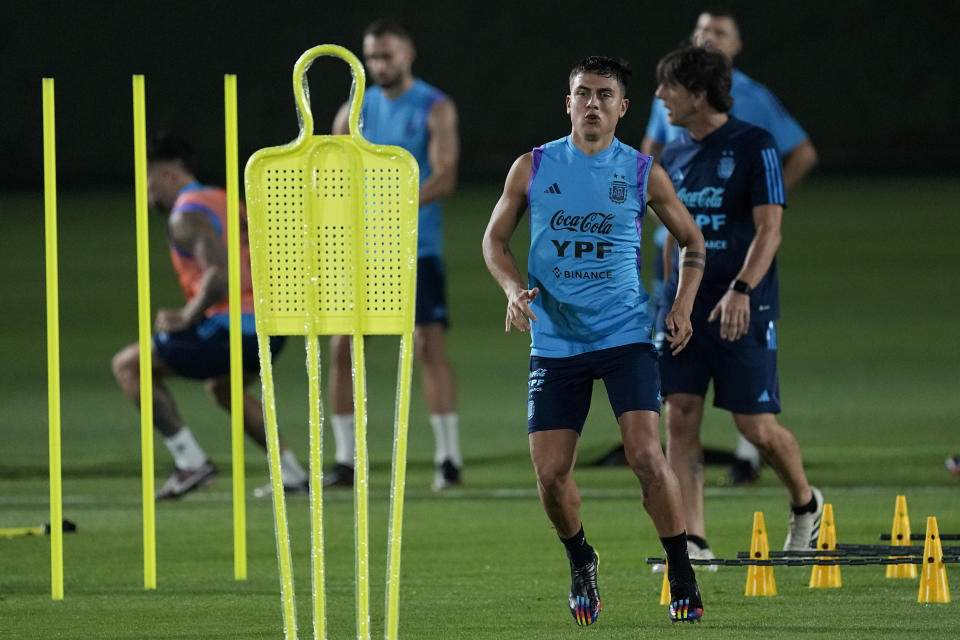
pixel 665 588
pixel 899 537
pixel 760 580
pixel 826 576
pixel 933 575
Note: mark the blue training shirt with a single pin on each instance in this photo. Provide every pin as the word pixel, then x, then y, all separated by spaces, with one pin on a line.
pixel 402 122
pixel 752 102
pixel 721 179
pixel 585 221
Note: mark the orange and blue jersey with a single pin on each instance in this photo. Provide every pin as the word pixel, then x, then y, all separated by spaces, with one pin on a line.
pixel 212 202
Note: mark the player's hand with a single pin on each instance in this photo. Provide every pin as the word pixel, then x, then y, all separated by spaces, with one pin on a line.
pixel 734 313
pixel 518 309
pixel 170 321
pixel 679 330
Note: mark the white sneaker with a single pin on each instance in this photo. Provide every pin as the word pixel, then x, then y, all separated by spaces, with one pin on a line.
pixel 696 553
pixel 266 491
pixel 183 481
pixel 805 529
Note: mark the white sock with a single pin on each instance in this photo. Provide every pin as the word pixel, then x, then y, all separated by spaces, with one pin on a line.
pixel 291 471
pixel 447 434
pixel 186 453
pixel 343 437
pixel 746 451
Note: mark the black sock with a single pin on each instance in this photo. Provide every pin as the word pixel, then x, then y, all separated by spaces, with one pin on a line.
pixel 578 550
pixel 697 540
pixel 810 507
pixel 677 558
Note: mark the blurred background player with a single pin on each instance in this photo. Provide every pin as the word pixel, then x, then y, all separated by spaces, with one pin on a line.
pixel 753 103
pixel 953 464
pixel 194 341
pixel 727 173
pixel 405 111
pixel 584 304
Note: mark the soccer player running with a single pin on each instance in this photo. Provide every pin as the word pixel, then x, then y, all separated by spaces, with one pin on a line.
pixel 585 307
pixel 753 103
pixel 402 110
pixel 194 341
pixel 728 174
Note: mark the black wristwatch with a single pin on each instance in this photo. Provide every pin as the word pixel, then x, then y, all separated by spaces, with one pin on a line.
pixel 741 287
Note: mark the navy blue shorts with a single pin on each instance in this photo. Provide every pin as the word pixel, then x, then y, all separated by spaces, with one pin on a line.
pixel 203 351
pixel 559 389
pixel 431 292
pixel 744 372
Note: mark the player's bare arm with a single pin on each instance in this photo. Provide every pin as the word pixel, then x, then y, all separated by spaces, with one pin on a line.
pixel 443 152
pixel 663 199
pixel 341 122
pixel 669 243
pixel 733 310
pixel 193 232
pixel 506 216
pixel 651 147
pixel 798 162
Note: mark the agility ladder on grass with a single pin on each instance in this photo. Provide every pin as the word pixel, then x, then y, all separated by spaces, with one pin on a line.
pixel 333 251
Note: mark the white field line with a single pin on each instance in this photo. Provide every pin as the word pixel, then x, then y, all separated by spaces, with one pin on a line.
pixel 506 493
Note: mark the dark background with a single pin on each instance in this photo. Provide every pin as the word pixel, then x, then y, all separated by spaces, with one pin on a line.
pixel 873 83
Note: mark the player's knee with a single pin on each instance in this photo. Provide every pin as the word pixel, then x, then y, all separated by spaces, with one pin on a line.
pixel 647 460
pixel 552 479
pixel 428 346
pixel 219 390
pixel 125 366
pixel 759 430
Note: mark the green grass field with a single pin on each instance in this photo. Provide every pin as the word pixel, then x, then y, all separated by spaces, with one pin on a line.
pixel 869 375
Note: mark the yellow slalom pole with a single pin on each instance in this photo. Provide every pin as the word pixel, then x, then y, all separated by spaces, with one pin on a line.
pixel 276 482
pixel 145 339
pixel 316 488
pixel 53 338
pixel 395 533
pixel 236 350
pixel 361 486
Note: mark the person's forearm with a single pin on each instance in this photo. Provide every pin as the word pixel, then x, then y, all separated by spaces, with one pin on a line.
pixel 503 266
pixel 760 255
pixel 439 185
pixel 213 289
pixel 798 163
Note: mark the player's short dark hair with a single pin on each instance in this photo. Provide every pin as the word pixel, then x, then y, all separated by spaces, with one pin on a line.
pixel 388 26
pixel 166 147
pixel 616 68
pixel 697 69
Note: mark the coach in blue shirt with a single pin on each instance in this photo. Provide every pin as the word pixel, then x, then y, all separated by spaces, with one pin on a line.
pixel 753 103
pixel 728 175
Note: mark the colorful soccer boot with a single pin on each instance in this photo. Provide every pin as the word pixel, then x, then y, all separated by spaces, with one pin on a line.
pixel 584 594
pixel 686 605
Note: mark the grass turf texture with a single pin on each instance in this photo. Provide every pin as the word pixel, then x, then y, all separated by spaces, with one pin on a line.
pixel 868 354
